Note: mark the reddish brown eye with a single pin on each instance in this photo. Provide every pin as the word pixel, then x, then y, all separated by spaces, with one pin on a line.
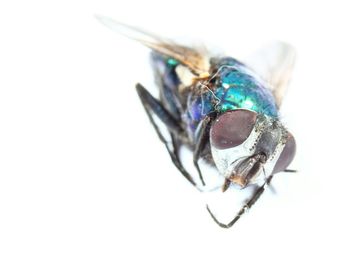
pixel 286 156
pixel 232 128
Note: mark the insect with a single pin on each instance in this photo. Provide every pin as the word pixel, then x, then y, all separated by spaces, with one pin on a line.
pixel 224 111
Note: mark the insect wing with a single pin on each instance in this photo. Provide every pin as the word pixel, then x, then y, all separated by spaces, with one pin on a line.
pixel 195 60
pixel 274 63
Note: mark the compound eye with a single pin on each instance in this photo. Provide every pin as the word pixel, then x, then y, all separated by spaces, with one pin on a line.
pixel 232 128
pixel 287 155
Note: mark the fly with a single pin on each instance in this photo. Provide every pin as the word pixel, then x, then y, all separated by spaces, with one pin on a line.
pixel 225 111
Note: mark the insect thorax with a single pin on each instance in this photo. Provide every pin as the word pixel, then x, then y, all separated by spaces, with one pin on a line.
pixel 231 86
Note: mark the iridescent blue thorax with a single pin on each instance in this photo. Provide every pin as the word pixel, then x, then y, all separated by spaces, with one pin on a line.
pixel 232 86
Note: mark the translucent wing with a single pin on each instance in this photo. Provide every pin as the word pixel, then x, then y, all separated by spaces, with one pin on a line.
pixel 196 61
pixel 274 63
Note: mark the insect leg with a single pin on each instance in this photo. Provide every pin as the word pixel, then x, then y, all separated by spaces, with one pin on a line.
pixel 201 141
pixel 290 171
pixel 174 153
pixel 245 208
pixel 152 105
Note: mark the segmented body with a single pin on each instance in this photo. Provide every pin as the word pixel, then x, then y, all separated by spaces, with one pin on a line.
pixel 232 85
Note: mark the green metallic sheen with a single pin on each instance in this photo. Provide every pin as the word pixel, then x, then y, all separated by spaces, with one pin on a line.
pixel 172 62
pixel 235 87
pixel 237 90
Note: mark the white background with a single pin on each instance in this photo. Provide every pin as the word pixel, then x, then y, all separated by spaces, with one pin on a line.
pixel 82 171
